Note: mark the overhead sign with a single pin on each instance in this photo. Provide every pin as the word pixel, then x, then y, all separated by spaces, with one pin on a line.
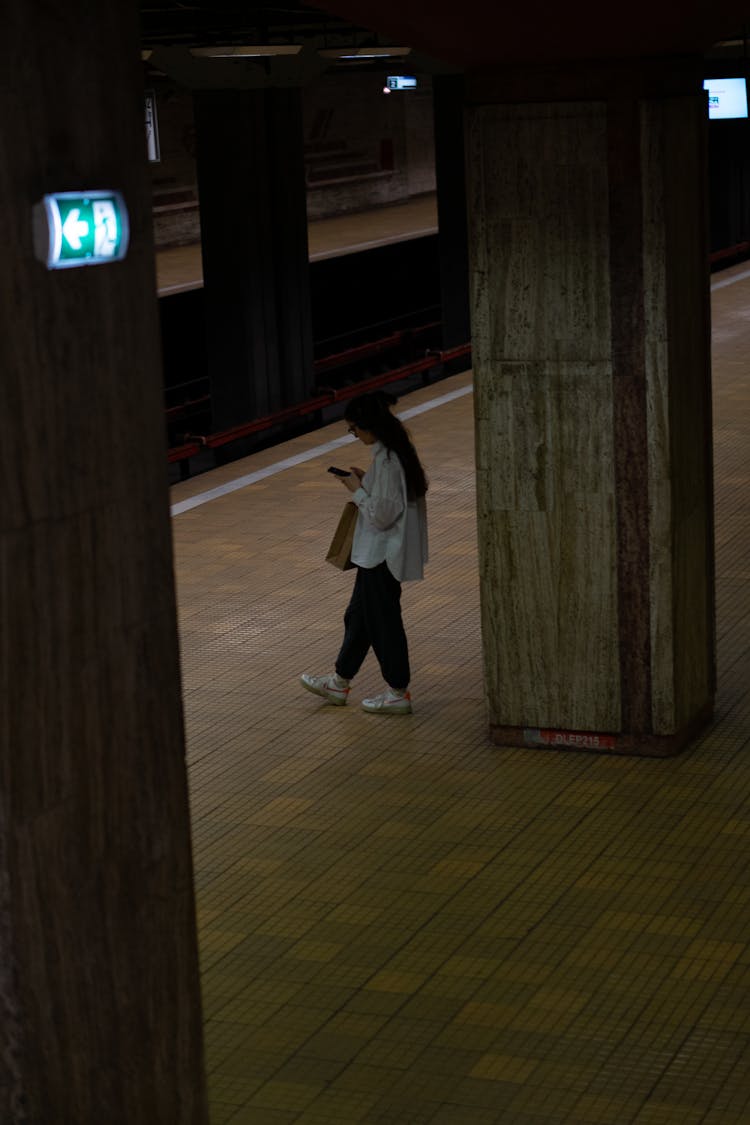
pixel 74 228
pixel 152 128
pixel 727 97
pixel 401 82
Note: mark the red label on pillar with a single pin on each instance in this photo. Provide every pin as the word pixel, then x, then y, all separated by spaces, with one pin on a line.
pixel 573 740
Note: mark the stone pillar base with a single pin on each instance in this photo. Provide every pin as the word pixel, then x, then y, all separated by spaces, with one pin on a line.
pixel 605 742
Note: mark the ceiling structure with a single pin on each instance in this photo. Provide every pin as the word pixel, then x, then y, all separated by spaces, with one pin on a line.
pixel 479 33
pixel 179 36
pixel 206 23
pixel 474 33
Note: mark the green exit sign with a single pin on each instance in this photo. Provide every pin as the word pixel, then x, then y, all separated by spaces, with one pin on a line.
pixel 75 228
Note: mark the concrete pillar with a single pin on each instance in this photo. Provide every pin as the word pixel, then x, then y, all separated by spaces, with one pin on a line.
pixel 448 98
pixel 251 182
pixel 99 994
pixel 592 368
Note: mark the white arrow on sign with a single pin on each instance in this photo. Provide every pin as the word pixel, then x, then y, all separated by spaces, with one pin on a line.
pixel 74 229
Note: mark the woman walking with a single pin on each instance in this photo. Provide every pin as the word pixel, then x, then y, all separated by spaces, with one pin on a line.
pixel 389 547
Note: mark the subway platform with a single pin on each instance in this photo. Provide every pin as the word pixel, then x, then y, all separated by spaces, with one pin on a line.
pixel 181 268
pixel 401 923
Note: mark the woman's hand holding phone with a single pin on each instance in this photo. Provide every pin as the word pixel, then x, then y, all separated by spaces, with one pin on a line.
pixel 351 479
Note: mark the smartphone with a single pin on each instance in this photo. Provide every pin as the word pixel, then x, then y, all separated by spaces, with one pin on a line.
pixel 339 472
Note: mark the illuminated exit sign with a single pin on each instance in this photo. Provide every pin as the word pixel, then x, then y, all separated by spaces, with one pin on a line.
pixel 74 228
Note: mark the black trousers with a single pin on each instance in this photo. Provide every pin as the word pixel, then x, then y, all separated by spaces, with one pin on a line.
pixel 373 618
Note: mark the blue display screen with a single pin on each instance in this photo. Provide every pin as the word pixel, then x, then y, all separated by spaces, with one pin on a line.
pixel 727 97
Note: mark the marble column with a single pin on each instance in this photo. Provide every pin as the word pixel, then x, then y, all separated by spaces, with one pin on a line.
pixel 590 319
pixel 100 1015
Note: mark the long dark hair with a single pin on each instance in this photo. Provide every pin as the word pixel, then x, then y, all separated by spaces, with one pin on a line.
pixel 372 412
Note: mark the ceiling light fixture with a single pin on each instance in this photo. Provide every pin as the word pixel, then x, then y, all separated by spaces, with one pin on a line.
pixel 245 51
pixel 363 52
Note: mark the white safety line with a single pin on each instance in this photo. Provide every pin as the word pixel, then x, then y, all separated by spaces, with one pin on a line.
pixel 413 411
pixel 730 280
pixel 385 240
pixel 179 287
pixel 300 458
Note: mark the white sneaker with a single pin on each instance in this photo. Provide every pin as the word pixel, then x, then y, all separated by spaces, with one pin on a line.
pixel 331 688
pixel 389 703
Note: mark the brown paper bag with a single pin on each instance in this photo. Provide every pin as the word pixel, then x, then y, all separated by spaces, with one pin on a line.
pixel 340 551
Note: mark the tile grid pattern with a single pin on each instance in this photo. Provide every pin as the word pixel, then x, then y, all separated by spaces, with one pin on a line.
pixel 401 924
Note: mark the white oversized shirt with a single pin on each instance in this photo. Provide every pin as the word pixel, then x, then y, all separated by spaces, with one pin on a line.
pixel 390 527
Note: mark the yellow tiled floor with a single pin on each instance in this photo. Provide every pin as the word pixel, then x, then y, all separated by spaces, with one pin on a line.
pixel 402 924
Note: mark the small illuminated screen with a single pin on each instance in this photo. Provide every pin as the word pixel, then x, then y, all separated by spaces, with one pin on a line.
pixel 727 97
pixel 401 82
